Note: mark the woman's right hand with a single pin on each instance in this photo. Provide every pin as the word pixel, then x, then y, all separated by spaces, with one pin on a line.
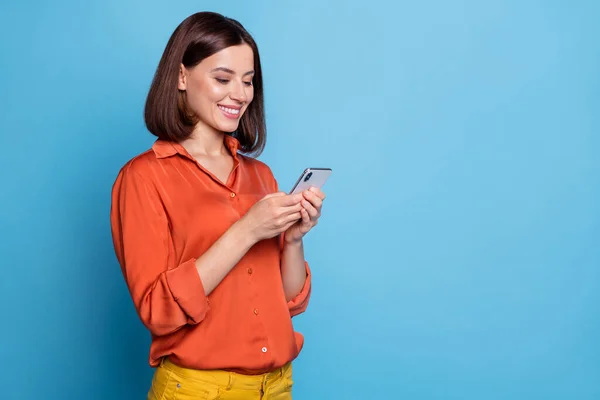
pixel 272 215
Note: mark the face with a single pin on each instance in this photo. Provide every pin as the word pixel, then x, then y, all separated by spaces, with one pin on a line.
pixel 219 89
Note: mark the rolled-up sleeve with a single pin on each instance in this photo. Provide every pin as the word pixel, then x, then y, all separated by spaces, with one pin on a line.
pixel 167 295
pixel 299 303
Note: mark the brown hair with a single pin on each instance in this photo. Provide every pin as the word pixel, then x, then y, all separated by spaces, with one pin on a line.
pixel 199 36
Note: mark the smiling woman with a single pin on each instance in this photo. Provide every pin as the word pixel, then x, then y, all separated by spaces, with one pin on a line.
pixel 216 94
pixel 211 251
pixel 214 55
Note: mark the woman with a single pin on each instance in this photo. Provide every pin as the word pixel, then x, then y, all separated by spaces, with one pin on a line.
pixel 210 249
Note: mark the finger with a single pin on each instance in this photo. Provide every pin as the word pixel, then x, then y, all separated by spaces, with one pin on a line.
pixel 291 218
pixel 276 194
pixel 287 226
pixel 310 209
pixel 288 200
pixel 318 192
pixel 305 218
pixel 313 199
pixel 290 209
pixel 306 224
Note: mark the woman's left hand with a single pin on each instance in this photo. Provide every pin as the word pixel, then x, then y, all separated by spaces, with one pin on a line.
pixel 311 211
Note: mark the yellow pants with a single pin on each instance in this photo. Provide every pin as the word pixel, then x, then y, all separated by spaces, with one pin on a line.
pixel 171 382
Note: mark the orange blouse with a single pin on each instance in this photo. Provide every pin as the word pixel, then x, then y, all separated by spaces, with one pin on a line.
pixel 166 211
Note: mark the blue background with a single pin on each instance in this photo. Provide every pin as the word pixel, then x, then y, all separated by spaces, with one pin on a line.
pixel 458 256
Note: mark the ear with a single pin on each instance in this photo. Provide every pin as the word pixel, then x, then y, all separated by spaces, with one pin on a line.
pixel 182 81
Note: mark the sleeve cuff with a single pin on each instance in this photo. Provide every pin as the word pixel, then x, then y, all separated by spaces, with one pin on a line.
pixel 299 303
pixel 187 290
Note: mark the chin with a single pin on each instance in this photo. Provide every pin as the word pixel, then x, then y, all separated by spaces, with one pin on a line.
pixel 228 127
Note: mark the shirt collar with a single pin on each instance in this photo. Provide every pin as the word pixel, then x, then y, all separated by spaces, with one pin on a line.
pixel 166 148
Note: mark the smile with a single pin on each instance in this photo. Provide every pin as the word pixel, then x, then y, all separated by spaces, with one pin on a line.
pixel 229 112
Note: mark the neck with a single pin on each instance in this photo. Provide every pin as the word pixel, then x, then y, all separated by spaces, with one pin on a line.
pixel 205 141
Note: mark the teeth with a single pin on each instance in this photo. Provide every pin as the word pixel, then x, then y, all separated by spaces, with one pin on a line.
pixel 229 110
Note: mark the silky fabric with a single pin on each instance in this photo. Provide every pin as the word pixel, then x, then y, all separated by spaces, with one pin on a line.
pixel 172 382
pixel 167 210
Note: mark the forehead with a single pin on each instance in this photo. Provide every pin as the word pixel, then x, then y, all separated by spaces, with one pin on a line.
pixel 237 58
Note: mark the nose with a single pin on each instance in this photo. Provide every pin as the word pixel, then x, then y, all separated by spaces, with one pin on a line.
pixel 238 93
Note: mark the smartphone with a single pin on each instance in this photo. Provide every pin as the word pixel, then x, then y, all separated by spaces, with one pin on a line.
pixel 311 177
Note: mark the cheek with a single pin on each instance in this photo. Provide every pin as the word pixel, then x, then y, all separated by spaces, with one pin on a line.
pixel 205 94
pixel 214 92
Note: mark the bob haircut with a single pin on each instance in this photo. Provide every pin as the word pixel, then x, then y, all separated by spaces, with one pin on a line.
pixel 199 36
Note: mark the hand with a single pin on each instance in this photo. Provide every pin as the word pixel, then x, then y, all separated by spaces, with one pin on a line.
pixel 311 211
pixel 272 215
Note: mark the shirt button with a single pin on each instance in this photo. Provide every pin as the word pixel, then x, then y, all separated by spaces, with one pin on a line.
pixel 264 349
pixel 232 194
pixel 256 311
pixel 250 271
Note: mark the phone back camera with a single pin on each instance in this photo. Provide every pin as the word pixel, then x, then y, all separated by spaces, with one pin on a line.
pixel 308 177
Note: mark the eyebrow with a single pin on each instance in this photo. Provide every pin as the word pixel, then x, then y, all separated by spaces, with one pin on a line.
pixel 229 71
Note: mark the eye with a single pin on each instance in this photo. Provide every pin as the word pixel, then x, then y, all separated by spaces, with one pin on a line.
pixel 222 81
pixel 248 83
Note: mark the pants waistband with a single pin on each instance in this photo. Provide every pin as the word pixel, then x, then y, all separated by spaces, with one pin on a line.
pixel 226 378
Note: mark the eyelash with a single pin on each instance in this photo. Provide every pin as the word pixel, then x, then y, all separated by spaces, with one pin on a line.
pixel 225 81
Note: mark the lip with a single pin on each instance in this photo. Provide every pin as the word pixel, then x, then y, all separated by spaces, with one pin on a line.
pixel 230 106
pixel 229 115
